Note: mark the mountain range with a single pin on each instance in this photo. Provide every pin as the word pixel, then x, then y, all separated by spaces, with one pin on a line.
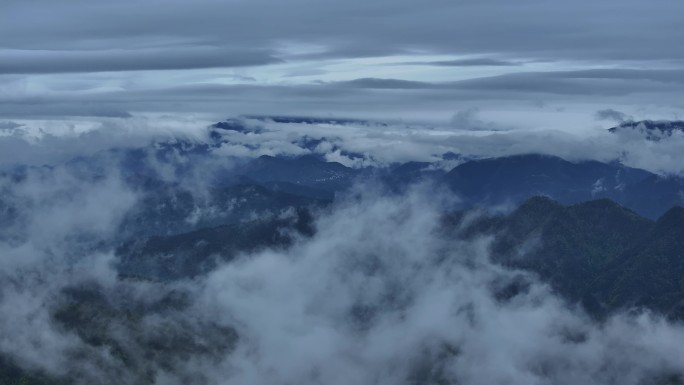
pixel 607 238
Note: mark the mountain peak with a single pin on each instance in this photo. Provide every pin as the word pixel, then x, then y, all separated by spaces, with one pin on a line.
pixel 600 204
pixel 672 217
pixel 540 201
pixel 538 205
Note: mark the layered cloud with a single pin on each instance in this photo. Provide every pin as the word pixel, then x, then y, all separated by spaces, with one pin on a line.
pixel 310 57
pixel 578 30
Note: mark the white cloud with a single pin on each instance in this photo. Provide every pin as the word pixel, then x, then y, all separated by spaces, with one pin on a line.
pixel 377 297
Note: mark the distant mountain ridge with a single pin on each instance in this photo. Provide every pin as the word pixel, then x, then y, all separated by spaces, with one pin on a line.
pixel 652 129
pixel 510 180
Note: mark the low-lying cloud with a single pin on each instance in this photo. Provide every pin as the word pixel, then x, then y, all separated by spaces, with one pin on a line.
pixel 380 294
pixel 355 143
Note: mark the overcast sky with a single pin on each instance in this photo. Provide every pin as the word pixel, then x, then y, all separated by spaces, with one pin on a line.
pixel 541 63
